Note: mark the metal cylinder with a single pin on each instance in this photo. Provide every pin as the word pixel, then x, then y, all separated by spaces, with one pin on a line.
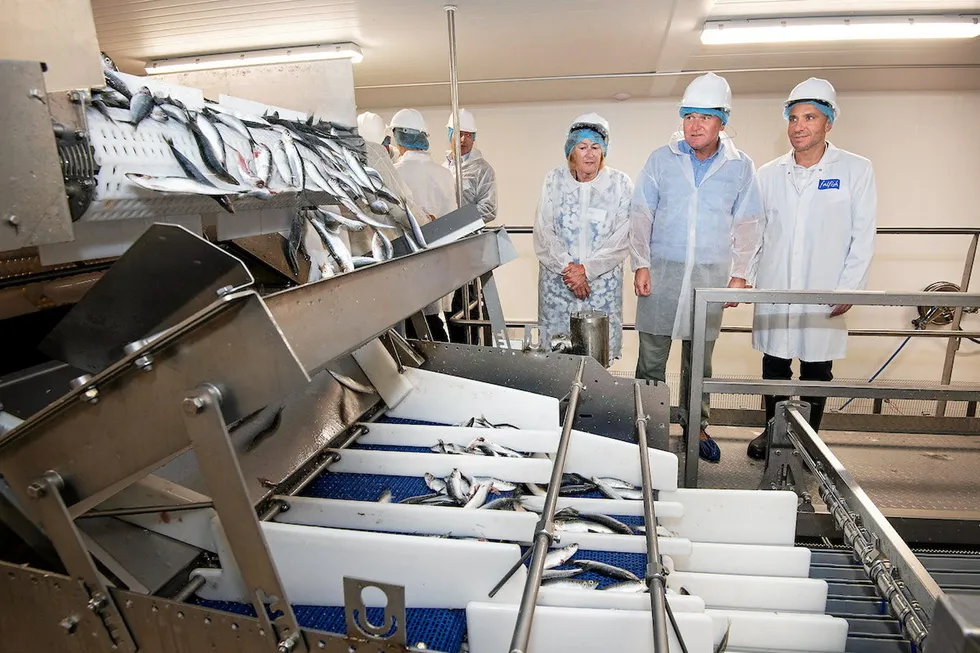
pixel 590 335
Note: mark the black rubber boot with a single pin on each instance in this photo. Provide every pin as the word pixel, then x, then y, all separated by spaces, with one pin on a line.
pixel 817 405
pixel 759 445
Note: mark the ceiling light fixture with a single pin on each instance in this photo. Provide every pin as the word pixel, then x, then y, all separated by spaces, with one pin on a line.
pixel 256 58
pixel 851 28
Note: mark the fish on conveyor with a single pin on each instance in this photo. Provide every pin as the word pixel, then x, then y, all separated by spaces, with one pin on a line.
pixel 116 83
pixel 376 179
pixel 381 247
pixel 175 113
pixel 247 176
pixel 606 489
pixel 551 574
pixel 233 123
pixel 478 496
pixel 571 584
pixel 211 146
pixel 332 219
pixel 609 522
pixel 441 500
pixel 571 490
pixel 386 496
pixel 420 498
pixel 500 450
pixel 617 484
pixel 505 503
pixel 181 185
pixel 434 483
pixel 101 107
pixel 496 485
pixel 363 261
pixel 607 570
pixel 557 557
pixel 455 488
pixel 357 169
pixel 351 384
pixel 158 114
pixel 112 98
pixel 140 106
pixel 333 243
pixel 294 242
pixel 580 526
pixel 295 161
pixel 380 207
pixel 627 587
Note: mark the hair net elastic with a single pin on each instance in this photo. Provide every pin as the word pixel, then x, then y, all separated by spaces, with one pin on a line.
pixel 721 114
pixel 577 136
pixel 823 108
pixel 411 139
pixel 450 130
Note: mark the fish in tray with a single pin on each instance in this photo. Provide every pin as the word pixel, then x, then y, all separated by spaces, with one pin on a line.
pixel 458 489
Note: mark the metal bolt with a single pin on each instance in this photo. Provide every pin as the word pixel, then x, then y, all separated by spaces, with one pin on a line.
pixel 288 644
pixel 36 490
pixel 224 290
pixel 194 405
pixel 79 134
pixel 97 602
pixel 144 363
pixel 69 624
pixel 36 94
pixel 75 97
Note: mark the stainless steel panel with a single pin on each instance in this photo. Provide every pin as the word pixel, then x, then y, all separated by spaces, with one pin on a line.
pixel 33 204
pixel 956 627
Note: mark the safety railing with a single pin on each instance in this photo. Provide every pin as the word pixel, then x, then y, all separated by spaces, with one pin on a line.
pixel 941 392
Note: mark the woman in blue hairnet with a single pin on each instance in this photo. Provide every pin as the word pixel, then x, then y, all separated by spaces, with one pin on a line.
pixel 581 235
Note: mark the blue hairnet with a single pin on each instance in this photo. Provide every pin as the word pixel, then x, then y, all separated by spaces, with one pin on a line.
pixel 464 131
pixel 411 139
pixel 825 109
pixel 719 113
pixel 577 136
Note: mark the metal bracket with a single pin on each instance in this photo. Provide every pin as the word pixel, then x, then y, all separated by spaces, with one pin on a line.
pixel 392 629
pixel 784 468
pixel 495 311
pixel 219 466
pixel 421 326
pixel 54 518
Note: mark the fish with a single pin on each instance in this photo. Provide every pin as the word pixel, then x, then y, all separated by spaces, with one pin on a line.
pixel 386 193
pixel 568 490
pixel 259 426
pixel 386 496
pixel 434 483
pixel 560 556
pixel 158 114
pixel 363 261
pixel 262 157
pixel 140 106
pixel 112 98
pixel 580 526
pixel 296 168
pixel 454 486
pixel 332 242
pixel 504 503
pixel 181 185
pixel 416 228
pixel 313 173
pixel 380 207
pixel 175 113
pixel 351 384
pixel 381 247
pixel 294 243
pixel 535 489
pixel 723 644
pixel 631 495
pixel 627 587
pixel 233 123
pixel 361 215
pixel 496 485
pixel 617 484
pixel 609 522
pixel 281 161
pixel 478 496
pixel 376 179
pixel 116 83
pixel 101 107
pixel 498 449
pixel 420 498
pixel 441 500
pixel 246 173
pixel 332 218
pixel 606 489
pixel 603 569
pixel 550 574
pixel 357 169
pixel 212 148
pixel 571 584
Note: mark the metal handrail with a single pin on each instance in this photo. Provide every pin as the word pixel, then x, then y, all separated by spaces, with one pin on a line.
pixel 886 231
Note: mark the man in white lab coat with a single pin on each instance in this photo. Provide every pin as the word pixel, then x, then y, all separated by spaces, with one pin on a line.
pixel 820 207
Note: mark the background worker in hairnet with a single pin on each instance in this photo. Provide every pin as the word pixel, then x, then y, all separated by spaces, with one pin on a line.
pixel 694 223
pixel 581 234
pixel 479 189
pixel 430 183
pixel 820 211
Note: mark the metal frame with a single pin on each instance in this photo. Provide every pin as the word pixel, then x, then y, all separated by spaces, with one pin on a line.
pixel 700 385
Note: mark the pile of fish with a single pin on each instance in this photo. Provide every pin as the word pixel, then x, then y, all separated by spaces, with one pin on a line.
pixel 458 489
pixel 560 571
pixel 324 157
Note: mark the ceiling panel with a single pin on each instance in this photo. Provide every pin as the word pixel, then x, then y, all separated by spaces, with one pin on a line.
pixel 779 8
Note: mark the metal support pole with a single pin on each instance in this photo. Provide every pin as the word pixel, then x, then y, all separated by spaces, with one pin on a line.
pixel 654 570
pixel 454 99
pixel 466 313
pixel 544 533
pixel 953 344
pixel 692 435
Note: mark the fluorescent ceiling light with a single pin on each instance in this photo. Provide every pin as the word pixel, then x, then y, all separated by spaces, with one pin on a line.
pixel 853 28
pixel 256 58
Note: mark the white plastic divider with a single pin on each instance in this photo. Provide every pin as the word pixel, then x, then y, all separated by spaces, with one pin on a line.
pixel 312 563
pixel 408 463
pixel 753 592
pixel 426 435
pixel 771 631
pixel 746 560
pixel 575 630
pixel 378 365
pixel 603 600
pixel 458 522
pixel 450 399
pixel 624 507
pixel 735 516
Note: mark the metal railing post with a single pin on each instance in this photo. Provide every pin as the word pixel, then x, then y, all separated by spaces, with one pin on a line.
pixel 693 432
pixel 953 344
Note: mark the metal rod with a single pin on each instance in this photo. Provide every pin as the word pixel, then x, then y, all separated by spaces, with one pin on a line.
pixel 678 73
pixel 692 434
pixel 924 392
pixel 544 534
pixel 467 306
pixel 654 570
pixel 190 589
pixel 145 510
pixel 886 231
pixel 454 99
pixel 953 344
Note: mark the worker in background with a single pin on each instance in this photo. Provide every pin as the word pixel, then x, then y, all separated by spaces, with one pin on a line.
pixel 581 235
pixel 430 183
pixel 479 189
pixel 820 211
pixel 695 222
pixel 372 129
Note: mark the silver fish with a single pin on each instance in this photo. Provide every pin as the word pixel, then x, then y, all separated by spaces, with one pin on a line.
pixel 558 557
pixel 234 124
pixel 420 498
pixel 504 503
pixel 627 587
pixel 213 137
pixel 174 185
pixel 193 173
pixel 416 228
pixel 158 114
pixel 571 584
pixel 617 484
pixel 116 83
pixel 631 495
pixel 212 148
pixel 313 173
pixel 140 106
pixel 535 489
pixel 380 207
pixel 386 496
pixel 579 526
pixel 333 243
pixel 606 489
pixel 550 574
pixel 262 157
pixel 246 172
pixel 498 449
pixel 112 98
pixel 376 179
pixel 101 107
pixel 175 112
pixel 385 193
pixel 434 483
pixel 360 215
pixel 441 500
pixel 363 261
pixel 351 384
pixel 496 485
pixel 296 166
pixel 607 570
pixel 334 219
pixel 478 496
pixel 281 161
pixel 609 522
pixel 357 169
pixel 454 486
pixel 381 247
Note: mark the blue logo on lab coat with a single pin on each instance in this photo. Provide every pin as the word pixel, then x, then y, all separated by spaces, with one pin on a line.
pixel 828 183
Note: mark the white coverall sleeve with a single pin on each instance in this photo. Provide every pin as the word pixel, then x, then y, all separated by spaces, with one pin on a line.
pixel 864 211
pixel 485 187
pixel 614 250
pixel 548 247
pixel 747 226
pixel 642 211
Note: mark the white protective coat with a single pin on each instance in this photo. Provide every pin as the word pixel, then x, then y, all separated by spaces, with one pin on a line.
pixel 479 183
pixel 817 238
pixel 692 236
pixel 587 223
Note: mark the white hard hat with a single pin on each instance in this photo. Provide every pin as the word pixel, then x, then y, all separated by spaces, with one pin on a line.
pixel 709 91
pixel 409 119
pixel 467 122
pixel 592 121
pixel 814 89
pixel 371 127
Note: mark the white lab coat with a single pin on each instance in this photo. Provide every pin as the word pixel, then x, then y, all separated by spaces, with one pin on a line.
pixel 692 236
pixel 820 237
pixel 432 189
pixel 479 183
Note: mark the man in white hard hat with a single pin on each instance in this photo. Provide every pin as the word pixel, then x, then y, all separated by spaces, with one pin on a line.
pixel 479 189
pixel 430 183
pixel 821 207
pixel 695 223
pixel 372 129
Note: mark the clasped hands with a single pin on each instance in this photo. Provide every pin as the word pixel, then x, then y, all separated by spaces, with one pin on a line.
pixel 642 287
pixel 575 279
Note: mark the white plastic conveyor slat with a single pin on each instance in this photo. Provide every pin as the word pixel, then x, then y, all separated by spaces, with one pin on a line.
pixel 753 592
pixel 626 507
pixel 404 463
pixel 735 516
pixel 746 560
pixel 812 633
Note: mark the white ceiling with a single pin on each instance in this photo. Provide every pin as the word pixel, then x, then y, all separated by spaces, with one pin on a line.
pixel 406 42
